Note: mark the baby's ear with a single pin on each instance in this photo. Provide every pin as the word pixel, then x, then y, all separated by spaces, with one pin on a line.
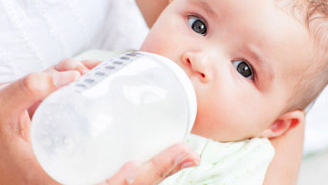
pixel 283 123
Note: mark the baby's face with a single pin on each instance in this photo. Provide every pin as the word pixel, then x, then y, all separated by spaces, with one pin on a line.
pixel 243 58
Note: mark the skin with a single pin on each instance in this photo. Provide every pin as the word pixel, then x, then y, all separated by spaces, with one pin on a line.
pixel 228 34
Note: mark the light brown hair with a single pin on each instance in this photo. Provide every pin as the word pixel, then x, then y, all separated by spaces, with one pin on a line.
pixel 315 17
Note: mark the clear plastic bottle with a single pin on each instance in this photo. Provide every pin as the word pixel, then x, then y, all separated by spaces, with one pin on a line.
pixel 130 107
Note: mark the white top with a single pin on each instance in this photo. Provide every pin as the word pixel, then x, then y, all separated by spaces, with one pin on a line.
pixel 231 163
pixel 35 34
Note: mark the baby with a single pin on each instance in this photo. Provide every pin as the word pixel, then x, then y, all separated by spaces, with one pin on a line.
pixel 255 66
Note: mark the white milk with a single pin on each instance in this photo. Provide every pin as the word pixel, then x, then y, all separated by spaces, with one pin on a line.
pixel 128 108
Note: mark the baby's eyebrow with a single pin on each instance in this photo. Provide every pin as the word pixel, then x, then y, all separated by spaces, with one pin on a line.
pixel 266 71
pixel 203 4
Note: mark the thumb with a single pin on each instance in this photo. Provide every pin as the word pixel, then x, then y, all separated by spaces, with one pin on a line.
pixel 171 160
pixel 23 93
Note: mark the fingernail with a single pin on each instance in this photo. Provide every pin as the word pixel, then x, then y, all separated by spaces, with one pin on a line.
pixel 179 159
pixel 63 78
pixel 82 69
pixel 188 164
pixel 186 160
pixel 129 180
pixel 132 171
pixel 58 66
pixel 130 176
pixel 85 71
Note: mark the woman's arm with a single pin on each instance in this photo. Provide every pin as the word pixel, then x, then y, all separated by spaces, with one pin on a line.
pixel 285 166
pixel 151 9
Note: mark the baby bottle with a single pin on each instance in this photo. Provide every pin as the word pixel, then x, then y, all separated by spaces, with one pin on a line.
pixel 130 107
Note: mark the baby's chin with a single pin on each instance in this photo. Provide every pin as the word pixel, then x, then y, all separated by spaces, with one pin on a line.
pixel 203 133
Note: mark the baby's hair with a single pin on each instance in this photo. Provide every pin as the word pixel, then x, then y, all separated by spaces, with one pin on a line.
pixel 316 76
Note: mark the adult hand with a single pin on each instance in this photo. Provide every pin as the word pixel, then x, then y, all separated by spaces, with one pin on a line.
pixel 18 164
pixel 69 64
pixel 166 163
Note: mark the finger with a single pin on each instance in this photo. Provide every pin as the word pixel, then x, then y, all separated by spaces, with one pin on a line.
pixel 31 110
pixel 71 64
pixel 21 94
pixel 173 159
pixel 169 161
pixel 125 175
pixel 90 64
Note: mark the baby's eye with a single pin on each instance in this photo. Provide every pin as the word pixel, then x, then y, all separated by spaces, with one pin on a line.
pixel 244 69
pixel 198 25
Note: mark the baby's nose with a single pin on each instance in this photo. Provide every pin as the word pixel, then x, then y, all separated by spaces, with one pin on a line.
pixel 198 63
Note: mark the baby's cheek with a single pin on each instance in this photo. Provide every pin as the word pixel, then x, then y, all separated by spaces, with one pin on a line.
pixel 152 41
pixel 204 126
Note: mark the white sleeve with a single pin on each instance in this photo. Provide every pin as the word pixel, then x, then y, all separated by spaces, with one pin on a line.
pixel 38 34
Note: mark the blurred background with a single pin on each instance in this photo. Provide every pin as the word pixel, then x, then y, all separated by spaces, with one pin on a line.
pixel 314 168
